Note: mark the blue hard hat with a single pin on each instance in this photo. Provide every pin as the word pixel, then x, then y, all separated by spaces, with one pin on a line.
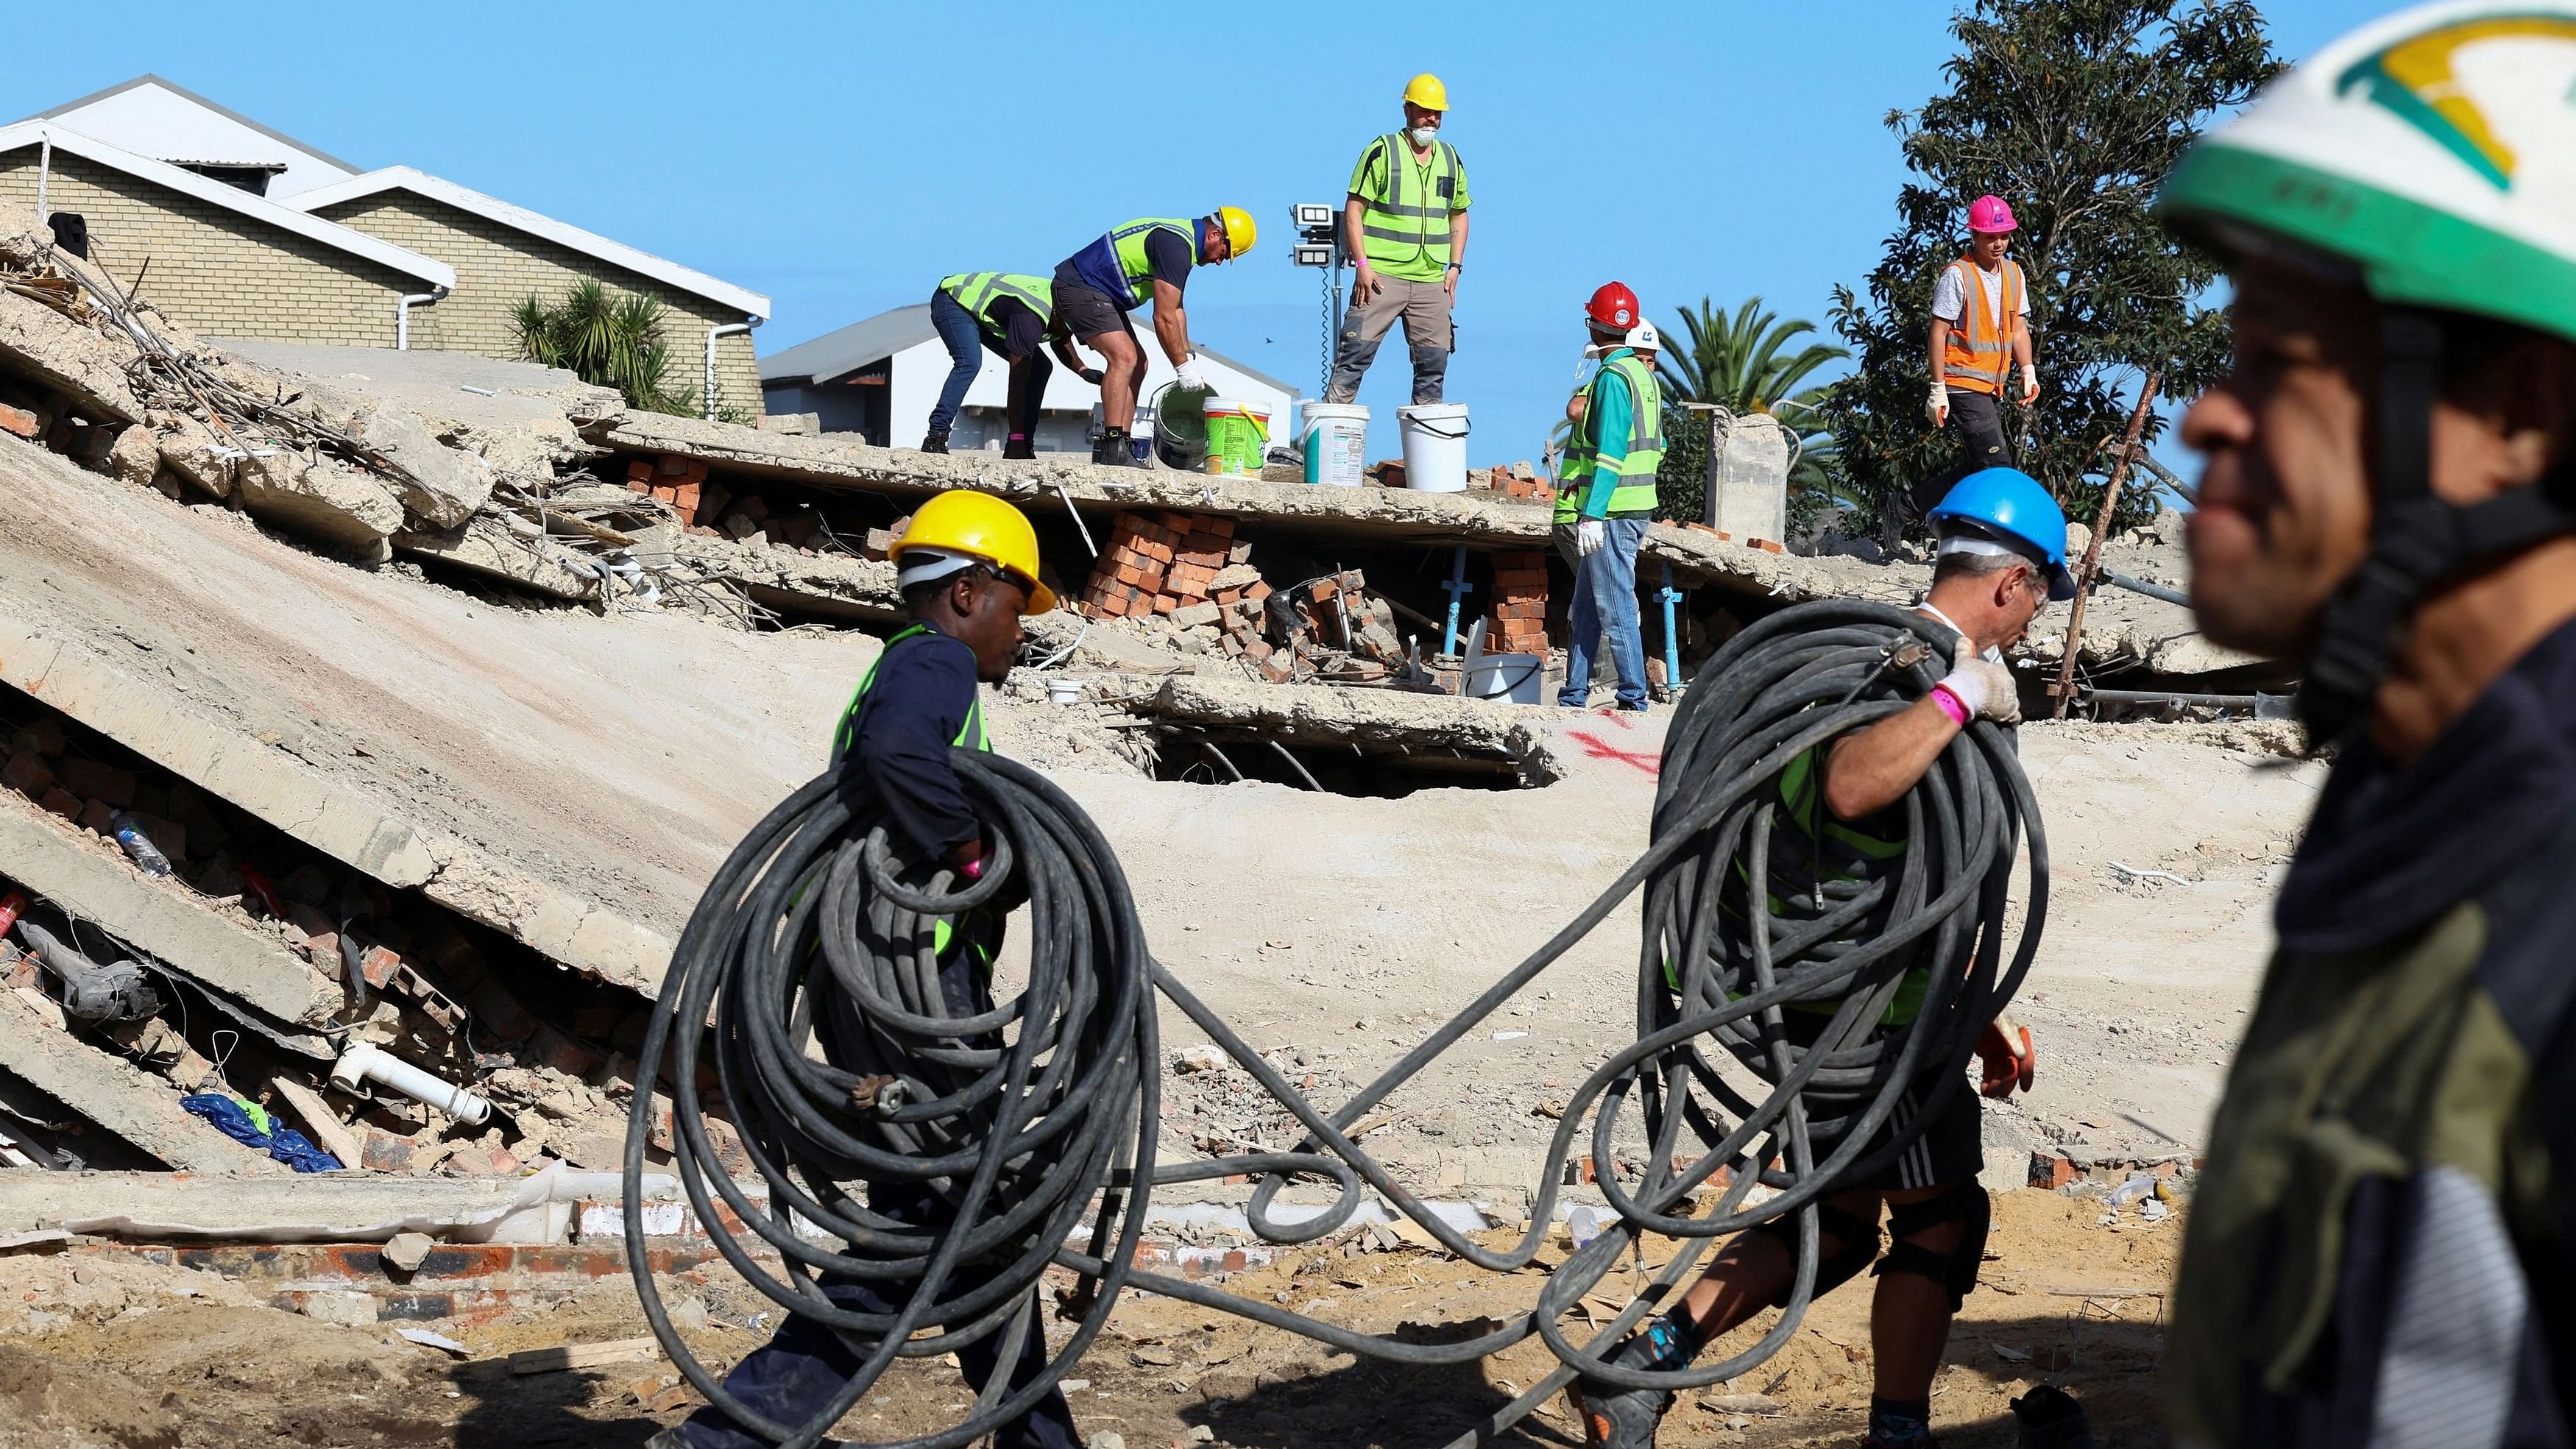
pixel 2009 505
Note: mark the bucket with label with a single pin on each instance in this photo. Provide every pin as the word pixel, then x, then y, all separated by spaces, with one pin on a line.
pixel 1435 446
pixel 1238 435
pixel 1336 443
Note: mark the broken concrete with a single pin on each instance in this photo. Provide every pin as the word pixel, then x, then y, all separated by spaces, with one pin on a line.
pixel 129 1102
pixel 445 485
pixel 89 881
pixel 521 419
pixel 1380 718
pixel 319 498
pixel 307 1208
pixel 501 548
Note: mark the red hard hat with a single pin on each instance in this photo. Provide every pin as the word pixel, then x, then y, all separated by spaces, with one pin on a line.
pixel 1613 308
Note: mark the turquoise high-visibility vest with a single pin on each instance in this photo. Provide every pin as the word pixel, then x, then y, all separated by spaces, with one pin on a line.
pixel 1407 232
pixel 978 291
pixel 1127 243
pixel 984 928
pixel 1635 490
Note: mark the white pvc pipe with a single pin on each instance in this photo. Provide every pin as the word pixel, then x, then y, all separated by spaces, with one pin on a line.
pixel 362 1062
pixel 402 317
pixel 709 396
pixel 44 169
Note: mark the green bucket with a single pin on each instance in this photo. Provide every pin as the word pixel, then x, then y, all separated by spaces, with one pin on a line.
pixel 1238 437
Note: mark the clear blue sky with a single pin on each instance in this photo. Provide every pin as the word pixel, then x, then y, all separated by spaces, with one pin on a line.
pixel 841 158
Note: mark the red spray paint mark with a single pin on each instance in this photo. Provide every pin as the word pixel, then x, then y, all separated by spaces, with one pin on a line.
pixel 1595 747
pixel 1618 717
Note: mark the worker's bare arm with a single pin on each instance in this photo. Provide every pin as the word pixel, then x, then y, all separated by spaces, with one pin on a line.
pixel 1868 771
pixel 1354 217
pixel 1171 322
pixel 1940 346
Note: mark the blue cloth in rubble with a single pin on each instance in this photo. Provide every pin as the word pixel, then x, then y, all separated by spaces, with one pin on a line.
pixel 264 1132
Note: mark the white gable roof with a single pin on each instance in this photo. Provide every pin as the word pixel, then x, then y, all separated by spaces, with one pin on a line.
pixel 258 208
pixel 519 218
pixel 151 117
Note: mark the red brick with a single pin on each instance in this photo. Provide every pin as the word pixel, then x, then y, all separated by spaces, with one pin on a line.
pixel 498 1014
pixel 1322 590
pixel 385 1152
pixel 45 737
pixel 639 468
pixel 94 781
pixel 20 421
pixel 170 835
pixel 378 966
pixel 27 774
pixel 2051 1170
pixel 96 817
pixel 1165 603
pixel 671 465
pixel 552 1048
pixel 1764 544
pixel 1257 590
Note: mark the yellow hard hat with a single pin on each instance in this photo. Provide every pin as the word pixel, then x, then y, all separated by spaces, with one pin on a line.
pixel 1426 91
pixel 980 526
pixel 1240 233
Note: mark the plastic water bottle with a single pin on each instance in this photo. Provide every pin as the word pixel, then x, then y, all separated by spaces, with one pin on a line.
pixel 129 833
pixel 1584 1222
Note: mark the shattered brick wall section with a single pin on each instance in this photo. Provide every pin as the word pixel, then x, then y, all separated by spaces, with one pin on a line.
pixel 498 266
pixel 1517 622
pixel 214 271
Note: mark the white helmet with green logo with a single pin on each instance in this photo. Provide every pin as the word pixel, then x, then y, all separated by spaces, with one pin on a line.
pixel 2434 152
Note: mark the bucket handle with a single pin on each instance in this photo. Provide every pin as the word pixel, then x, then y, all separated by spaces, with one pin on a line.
pixel 1434 430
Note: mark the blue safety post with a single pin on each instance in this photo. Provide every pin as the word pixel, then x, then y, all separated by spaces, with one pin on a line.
pixel 1668 596
pixel 1458 586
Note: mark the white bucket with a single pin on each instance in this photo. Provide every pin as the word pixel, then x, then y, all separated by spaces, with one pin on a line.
pixel 1435 446
pixel 1519 678
pixel 1336 439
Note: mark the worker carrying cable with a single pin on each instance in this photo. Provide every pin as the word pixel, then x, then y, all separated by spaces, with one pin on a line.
pixel 1405 224
pixel 2381 1245
pixel 1011 314
pixel 1605 494
pixel 1146 260
pixel 1980 334
pixel 968 567
pixel 1841 815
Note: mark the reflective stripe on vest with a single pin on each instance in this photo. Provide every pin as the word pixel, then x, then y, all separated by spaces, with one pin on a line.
pixel 1127 243
pixel 971 733
pixel 1635 491
pixel 978 291
pixel 1978 355
pixel 1399 230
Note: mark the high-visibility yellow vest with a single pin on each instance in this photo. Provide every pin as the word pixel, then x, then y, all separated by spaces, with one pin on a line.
pixel 1978 355
pixel 1406 233
pixel 1127 243
pixel 978 291
pixel 1635 490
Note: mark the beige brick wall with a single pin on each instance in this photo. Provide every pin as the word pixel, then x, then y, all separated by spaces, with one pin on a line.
pixel 216 271
pixel 497 266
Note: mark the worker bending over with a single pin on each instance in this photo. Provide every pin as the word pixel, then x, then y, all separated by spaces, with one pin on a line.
pixel 2001 553
pixel 1605 495
pixel 1980 330
pixel 968 567
pixel 1146 260
pixel 2381 1246
pixel 1011 314
pixel 1406 225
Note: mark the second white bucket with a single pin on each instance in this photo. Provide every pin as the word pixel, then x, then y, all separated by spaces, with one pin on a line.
pixel 1435 446
pixel 1336 439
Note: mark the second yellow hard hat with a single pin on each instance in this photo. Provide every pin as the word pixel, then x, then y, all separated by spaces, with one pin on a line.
pixel 1240 233
pixel 1426 91
pixel 979 526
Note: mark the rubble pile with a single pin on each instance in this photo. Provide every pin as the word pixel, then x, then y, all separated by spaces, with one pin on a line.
pixel 1165 562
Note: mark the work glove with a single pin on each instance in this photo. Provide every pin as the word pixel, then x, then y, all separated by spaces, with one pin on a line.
pixel 1094 376
pixel 1937 406
pixel 2029 384
pixel 1188 374
pixel 2007 1059
pixel 1589 535
pixel 1981 686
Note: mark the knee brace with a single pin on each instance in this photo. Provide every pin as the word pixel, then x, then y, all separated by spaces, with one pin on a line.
pixel 1955 1270
pixel 1835 1265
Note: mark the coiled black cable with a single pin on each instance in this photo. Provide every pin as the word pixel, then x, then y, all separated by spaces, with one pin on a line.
pixel 813 955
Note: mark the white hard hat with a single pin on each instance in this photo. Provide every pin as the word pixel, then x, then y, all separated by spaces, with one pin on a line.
pixel 1644 338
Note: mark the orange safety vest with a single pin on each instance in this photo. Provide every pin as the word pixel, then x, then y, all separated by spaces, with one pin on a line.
pixel 1979 354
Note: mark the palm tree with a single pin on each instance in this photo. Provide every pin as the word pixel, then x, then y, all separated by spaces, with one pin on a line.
pixel 607 339
pixel 1742 364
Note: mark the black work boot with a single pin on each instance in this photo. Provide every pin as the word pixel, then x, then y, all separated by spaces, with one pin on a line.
pixel 1112 450
pixel 1615 1418
pixel 1018 448
pixel 936 442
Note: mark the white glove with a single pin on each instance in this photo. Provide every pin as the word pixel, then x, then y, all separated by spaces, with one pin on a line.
pixel 1937 406
pixel 1589 535
pixel 2029 384
pixel 1983 686
pixel 1188 375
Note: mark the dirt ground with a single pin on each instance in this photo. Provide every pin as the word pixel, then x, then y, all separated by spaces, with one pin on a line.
pixel 100 1352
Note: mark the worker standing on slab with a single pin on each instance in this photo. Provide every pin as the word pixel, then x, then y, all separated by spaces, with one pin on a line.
pixel 1980 334
pixel 1406 225
pixel 968 567
pixel 1146 260
pixel 1605 495
pixel 1842 816
pixel 2379 1250
pixel 1012 315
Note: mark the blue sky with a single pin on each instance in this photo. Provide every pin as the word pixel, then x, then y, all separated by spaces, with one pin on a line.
pixel 841 158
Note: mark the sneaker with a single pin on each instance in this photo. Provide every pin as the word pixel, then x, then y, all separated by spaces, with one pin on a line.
pixel 1617 1418
pixel 1019 450
pixel 1112 450
pixel 935 443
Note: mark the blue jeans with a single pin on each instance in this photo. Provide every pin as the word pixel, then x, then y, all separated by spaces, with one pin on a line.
pixel 965 341
pixel 1605 595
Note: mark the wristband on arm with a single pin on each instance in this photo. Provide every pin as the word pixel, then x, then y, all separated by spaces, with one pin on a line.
pixel 1951 705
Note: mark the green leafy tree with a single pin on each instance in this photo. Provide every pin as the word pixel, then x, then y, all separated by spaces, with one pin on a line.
pixel 2073 111
pixel 1743 363
pixel 607 339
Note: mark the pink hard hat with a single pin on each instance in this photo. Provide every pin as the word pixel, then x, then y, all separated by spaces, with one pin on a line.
pixel 1991 213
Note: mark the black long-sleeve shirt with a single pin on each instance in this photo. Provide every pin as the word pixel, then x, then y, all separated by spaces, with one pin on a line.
pixel 924 689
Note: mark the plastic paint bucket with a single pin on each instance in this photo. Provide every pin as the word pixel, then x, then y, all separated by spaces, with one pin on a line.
pixel 1435 446
pixel 1336 443
pixel 1238 435
pixel 1515 677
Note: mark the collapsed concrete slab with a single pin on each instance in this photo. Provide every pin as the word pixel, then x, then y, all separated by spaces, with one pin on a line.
pixel 310 1208
pixel 521 419
pixel 120 1097
pixel 157 917
pixel 489 545
pixel 1337 716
